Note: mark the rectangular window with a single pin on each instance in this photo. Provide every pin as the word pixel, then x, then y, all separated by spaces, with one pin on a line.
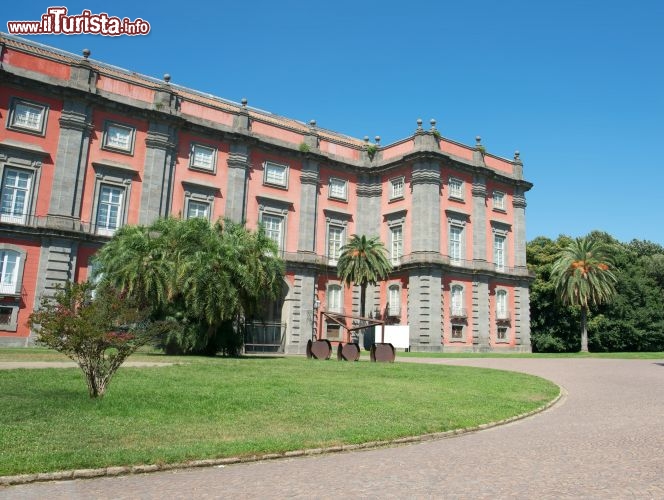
pixel 335 240
pixel 501 305
pixel 396 246
pixel 202 157
pixel 27 116
pixel 501 334
pixel 338 189
pixel 198 209
pixel 276 175
pixel 334 299
pixel 499 252
pixel 9 264
pixel 119 137
pixel 15 196
pixel 273 225
pixel 394 304
pixel 5 317
pixel 456 307
pixel 397 188
pixel 109 210
pixel 456 244
pixel 456 188
pixel 498 200
pixel 457 332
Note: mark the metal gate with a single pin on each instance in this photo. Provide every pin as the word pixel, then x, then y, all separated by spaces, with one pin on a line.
pixel 264 337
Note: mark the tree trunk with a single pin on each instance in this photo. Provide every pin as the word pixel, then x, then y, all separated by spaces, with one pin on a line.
pixel 584 329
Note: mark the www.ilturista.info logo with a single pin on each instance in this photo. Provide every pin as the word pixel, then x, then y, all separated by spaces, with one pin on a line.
pixel 56 22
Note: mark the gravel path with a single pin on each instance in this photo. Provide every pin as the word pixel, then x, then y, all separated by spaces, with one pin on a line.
pixel 605 439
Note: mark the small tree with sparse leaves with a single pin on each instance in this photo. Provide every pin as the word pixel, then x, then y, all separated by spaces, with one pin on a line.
pixel 98 329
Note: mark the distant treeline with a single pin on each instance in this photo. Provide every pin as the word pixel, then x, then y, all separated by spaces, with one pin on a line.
pixel 632 321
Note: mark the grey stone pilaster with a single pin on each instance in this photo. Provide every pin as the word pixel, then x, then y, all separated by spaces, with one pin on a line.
pixel 519 205
pixel 308 206
pixel 478 218
pixel 238 166
pixel 522 317
pixel 517 166
pixel 302 314
pixel 369 191
pixel 241 121
pixel 71 160
pixel 425 309
pixel 157 186
pixel 480 315
pixel 425 219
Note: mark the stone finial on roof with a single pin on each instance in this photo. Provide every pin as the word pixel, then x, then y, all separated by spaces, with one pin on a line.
pixel 312 123
pixel 167 77
pixel 433 123
pixel 419 124
pixel 86 53
pixel 478 140
pixel 244 102
pixel 366 139
pixel 377 139
pixel 517 156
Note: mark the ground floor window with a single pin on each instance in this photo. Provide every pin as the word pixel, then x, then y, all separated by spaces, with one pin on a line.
pixel 501 335
pixel 457 332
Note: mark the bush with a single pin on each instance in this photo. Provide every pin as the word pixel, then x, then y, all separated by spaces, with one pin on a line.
pixel 546 342
pixel 98 329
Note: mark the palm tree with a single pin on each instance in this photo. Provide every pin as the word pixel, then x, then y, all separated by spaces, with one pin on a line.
pixel 583 277
pixel 363 261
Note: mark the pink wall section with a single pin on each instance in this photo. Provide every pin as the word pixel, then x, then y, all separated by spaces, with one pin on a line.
pixel 127 89
pixel 206 112
pixel 28 286
pixel 256 188
pixel 339 150
pixel 97 154
pixel 38 64
pixel 184 173
pixel 270 130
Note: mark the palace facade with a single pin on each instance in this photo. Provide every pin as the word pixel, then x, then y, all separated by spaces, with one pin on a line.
pixel 86 147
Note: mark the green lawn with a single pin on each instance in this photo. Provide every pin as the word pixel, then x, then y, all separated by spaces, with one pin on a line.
pixel 605 355
pixel 210 408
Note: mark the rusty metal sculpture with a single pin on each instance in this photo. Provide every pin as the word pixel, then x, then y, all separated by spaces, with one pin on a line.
pixel 319 349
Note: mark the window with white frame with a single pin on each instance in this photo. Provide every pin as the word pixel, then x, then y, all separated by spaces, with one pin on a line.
pixel 501 305
pixel 198 209
pixel 394 301
pixel 273 225
pixel 15 195
pixel 456 188
pixel 338 189
pixel 499 251
pixel 498 200
pixel 456 243
pixel 27 116
pixel 334 298
pixel 203 157
pixel 275 174
pixel 396 244
pixel 457 309
pixel 335 240
pixel 397 188
pixel 109 209
pixel 10 261
pixel 118 137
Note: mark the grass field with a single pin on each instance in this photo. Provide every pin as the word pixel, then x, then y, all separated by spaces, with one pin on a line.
pixel 214 407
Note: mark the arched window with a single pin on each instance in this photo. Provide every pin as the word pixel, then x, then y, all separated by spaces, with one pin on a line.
pixel 10 266
pixel 394 301
pixel 456 307
pixel 501 305
pixel 334 298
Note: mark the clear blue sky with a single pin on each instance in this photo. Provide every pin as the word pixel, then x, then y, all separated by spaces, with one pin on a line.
pixel 576 86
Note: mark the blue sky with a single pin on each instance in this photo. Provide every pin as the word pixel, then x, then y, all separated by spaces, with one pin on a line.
pixel 576 86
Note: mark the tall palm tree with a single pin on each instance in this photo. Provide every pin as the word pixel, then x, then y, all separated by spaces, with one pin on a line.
pixel 363 261
pixel 583 277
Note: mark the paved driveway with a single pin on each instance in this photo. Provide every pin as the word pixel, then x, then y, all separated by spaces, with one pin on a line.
pixel 605 439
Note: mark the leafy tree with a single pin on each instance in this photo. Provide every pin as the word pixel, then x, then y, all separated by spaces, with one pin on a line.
pixel 98 332
pixel 363 261
pixel 202 277
pixel 583 277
